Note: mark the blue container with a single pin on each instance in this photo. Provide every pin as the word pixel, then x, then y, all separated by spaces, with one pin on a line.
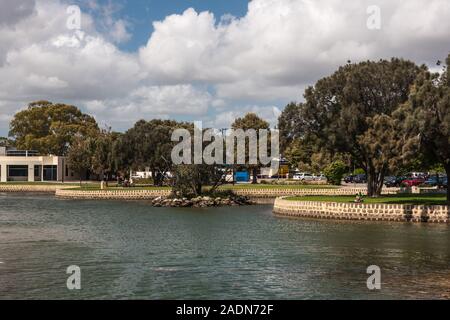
pixel 242 176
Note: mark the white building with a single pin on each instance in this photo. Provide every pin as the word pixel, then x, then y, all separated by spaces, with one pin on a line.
pixel 16 165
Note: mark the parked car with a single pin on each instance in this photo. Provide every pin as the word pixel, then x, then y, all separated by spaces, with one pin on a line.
pixel 360 178
pixel 393 181
pixel 413 182
pixel 445 182
pixel 433 181
pixel 349 179
pixel 320 177
pixel 303 176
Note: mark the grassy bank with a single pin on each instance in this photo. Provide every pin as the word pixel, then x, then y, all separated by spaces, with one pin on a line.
pixel 433 199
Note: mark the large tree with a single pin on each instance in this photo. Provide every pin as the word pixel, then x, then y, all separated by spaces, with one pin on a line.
pixel 79 156
pixel 251 121
pixel 103 158
pixel 290 125
pixel 50 128
pixel 5 142
pixel 351 112
pixel 148 145
pixel 427 115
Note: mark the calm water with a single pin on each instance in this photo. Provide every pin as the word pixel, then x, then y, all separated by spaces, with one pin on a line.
pixel 131 250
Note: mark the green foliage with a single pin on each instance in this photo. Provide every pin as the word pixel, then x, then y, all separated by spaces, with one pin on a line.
pixel 335 172
pixel 352 112
pixel 148 144
pixel 50 128
pixel 290 126
pixel 189 180
pixel 5 142
pixel 427 116
pixel 251 121
pixel 79 157
pixel 103 159
pixel 358 171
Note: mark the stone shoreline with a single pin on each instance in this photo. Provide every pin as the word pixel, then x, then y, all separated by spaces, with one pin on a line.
pixel 361 211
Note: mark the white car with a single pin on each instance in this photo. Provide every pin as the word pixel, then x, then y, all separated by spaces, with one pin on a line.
pixel 320 177
pixel 303 176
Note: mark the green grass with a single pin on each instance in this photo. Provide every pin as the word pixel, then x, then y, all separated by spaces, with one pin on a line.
pixel 434 199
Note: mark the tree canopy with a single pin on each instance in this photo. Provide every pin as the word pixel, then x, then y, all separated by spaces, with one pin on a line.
pixel 50 128
pixel 251 121
pixel 351 112
pixel 148 145
pixel 427 116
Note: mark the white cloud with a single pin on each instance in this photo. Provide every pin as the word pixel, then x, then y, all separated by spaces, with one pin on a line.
pixel 226 118
pixel 152 102
pixel 198 65
pixel 281 46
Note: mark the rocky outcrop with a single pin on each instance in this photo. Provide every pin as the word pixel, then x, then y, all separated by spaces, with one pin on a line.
pixel 200 202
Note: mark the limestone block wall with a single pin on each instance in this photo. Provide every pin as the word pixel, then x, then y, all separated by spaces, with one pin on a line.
pixel 279 192
pixel 51 188
pixel 256 194
pixel 128 194
pixel 361 211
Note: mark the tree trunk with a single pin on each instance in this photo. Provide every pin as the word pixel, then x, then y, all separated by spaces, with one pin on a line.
pixel 447 171
pixel 255 178
pixel 379 182
pixel 198 189
pixel 370 177
pixel 375 182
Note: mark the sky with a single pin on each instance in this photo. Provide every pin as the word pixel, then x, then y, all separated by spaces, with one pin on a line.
pixel 204 60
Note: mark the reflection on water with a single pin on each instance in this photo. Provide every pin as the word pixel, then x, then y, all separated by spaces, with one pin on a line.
pixel 129 250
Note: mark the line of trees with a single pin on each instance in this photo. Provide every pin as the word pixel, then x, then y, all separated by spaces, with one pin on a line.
pixel 381 116
pixel 64 130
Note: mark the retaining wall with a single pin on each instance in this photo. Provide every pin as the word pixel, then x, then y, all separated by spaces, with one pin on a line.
pixel 51 188
pixel 128 194
pixel 274 193
pixel 259 195
pixel 361 211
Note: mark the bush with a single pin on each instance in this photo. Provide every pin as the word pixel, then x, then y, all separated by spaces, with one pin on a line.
pixel 142 181
pixel 359 171
pixel 335 172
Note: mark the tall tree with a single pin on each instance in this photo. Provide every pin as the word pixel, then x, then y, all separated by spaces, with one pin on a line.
pixel 5 142
pixel 290 125
pixel 148 144
pixel 251 121
pixel 427 115
pixel 50 128
pixel 79 157
pixel 103 162
pixel 353 108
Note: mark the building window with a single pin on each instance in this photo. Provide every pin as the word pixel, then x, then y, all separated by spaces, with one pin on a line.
pixel 50 173
pixel 17 173
pixel 37 173
pixel 67 171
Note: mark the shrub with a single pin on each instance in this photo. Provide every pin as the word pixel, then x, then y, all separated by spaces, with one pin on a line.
pixel 359 171
pixel 334 172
